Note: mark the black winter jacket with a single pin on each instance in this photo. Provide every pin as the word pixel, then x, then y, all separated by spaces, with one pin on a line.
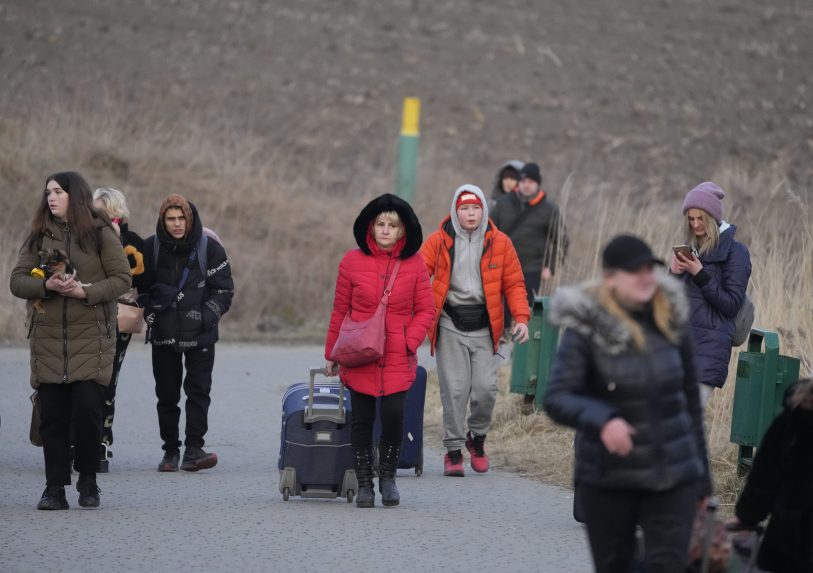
pixel 597 375
pixel 191 320
pixel 540 238
pixel 781 484
pixel 134 250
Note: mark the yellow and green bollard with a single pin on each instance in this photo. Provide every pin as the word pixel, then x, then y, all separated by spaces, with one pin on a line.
pixel 408 150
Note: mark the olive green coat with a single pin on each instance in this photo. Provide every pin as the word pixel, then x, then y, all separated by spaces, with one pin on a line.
pixel 74 339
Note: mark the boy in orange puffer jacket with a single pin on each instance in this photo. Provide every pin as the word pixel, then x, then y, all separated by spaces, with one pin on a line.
pixel 472 265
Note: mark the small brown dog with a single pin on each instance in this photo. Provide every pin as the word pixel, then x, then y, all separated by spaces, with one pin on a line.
pixel 53 262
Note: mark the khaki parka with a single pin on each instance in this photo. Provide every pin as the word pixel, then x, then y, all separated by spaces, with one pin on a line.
pixel 73 339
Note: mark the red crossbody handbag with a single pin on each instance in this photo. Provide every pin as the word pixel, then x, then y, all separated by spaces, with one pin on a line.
pixel 363 342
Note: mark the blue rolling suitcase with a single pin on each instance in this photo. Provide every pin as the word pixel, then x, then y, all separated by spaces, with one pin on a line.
pixel 412 446
pixel 315 457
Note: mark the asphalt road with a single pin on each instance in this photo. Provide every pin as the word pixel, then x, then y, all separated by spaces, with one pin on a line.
pixel 232 517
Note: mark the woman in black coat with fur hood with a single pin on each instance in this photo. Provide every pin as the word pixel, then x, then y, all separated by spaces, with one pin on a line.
pixel 624 377
pixel 781 484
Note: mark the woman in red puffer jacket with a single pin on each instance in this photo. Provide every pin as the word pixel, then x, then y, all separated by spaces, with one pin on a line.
pixel 387 231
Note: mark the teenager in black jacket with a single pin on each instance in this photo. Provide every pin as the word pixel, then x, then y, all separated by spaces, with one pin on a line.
pixel 190 293
pixel 781 484
pixel 624 377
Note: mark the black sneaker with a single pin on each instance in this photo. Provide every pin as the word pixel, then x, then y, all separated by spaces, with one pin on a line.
pixel 53 498
pixel 169 463
pixel 88 491
pixel 195 459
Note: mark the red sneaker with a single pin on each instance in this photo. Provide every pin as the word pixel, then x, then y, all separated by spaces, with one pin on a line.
pixel 479 459
pixel 453 464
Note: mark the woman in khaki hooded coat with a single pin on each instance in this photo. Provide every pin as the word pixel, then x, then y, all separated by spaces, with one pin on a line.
pixel 73 332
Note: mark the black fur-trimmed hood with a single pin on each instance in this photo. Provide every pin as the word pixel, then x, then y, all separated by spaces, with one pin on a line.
pixel 577 307
pixel 389 202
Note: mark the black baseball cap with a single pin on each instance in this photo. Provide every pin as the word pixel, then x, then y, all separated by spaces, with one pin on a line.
pixel 628 253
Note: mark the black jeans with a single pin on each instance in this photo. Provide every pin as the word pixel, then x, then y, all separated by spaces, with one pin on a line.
pixel 666 518
pixel 167 368
pixel 109 405
pixel 78 404
pixel 392 418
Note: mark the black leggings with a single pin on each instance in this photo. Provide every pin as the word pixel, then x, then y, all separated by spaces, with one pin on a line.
pixel 109 406
pixel 666 518
pixel 392 418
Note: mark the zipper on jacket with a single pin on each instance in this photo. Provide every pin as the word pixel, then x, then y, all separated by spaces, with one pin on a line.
pixel 106 311
pixel 65 313
pixel 487 247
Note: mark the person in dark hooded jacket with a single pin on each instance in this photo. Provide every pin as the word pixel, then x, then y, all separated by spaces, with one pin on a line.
pixel 388 235
pixel 716 277
pixel 506 180
pixel 189 294
pixel 780 484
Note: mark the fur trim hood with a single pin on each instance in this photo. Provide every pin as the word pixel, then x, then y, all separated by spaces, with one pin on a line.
pixel 388 202
pixel 577 307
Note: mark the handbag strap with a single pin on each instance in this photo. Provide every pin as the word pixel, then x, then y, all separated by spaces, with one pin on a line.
pixel 385 299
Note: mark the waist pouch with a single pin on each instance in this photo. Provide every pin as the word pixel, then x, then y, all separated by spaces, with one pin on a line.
pixel 468 317
pixel 162 297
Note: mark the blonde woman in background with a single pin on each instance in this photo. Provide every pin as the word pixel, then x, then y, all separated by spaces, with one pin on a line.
pixel 113 203
pixel 716 274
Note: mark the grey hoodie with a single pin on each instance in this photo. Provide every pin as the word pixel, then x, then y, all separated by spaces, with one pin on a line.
pixel 466 282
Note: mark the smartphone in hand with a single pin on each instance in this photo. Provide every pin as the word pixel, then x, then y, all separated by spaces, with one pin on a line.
pixel 683 250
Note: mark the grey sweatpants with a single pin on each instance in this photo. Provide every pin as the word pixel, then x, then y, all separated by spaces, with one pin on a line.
pixel 467 371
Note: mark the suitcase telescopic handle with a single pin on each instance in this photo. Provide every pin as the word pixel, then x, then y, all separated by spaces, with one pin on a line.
pixel 336 416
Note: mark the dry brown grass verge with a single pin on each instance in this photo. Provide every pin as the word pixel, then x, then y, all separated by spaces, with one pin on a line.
pixel 532 445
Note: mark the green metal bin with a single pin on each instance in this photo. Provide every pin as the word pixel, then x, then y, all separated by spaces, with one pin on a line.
pixel 531 362
pixel 763 376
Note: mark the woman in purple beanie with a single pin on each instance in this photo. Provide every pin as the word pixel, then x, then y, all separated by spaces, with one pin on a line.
pixel 716 274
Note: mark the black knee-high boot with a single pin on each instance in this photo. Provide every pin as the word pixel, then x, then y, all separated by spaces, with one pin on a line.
pixel 387 466
pixel 363 461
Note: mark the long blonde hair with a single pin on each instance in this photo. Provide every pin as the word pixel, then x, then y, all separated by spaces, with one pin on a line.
pixel 707 243
pixel 661 310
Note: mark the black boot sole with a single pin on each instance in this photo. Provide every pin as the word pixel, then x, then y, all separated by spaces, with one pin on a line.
pixel 54 508
pixel 389 503
pixel 89 504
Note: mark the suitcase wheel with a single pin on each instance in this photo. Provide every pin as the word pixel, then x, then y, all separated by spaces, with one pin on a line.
pixel 286 494
pixel 350 494
pixel 419 464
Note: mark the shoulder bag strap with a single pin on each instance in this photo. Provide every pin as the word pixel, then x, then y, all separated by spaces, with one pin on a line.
pixel 203 252
pixel 189 264
pixel 385 299
pixel 156 248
